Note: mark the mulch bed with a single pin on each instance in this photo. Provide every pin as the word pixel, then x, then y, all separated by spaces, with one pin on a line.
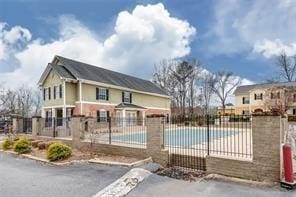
pixel 181 174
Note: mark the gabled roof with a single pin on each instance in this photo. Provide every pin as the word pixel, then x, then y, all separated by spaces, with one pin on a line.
pixel 71 69
pixel 128 105
pixel 247 88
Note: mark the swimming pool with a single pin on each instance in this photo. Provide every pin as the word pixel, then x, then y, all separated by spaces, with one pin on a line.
pixel 181 137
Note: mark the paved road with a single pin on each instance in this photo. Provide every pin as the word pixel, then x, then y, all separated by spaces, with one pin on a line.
pixel 26 178
pixel 163 186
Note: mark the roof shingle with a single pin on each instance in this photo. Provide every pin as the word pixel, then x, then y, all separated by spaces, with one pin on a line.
pixel 85 71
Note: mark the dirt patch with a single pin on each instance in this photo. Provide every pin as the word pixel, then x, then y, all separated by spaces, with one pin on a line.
pixel 181 174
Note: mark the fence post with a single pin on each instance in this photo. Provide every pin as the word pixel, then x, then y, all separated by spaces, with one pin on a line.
pixel 155 141
pixel 36 125
pixel 77 129
pixel 17 124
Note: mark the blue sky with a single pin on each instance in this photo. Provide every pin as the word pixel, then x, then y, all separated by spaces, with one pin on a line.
pixel 238 36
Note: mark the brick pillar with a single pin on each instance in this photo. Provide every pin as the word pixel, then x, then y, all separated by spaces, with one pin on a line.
pixel 77 129
pixel 17 124
pixel 36 125
pixel 267 137
pixel 155 131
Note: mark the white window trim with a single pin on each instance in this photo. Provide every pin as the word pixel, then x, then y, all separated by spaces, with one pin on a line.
pixel 126 97
pixel 103 118
pixel 103 93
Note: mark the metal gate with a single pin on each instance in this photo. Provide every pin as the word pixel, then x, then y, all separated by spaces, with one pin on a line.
pixel 189 139
pixel 27 125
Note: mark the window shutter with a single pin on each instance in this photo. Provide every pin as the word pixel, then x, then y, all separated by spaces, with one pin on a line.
pixel 54 92
pixel 98 116
pixel 44 89
pixel 97 93
pixel 61 91
pixel 107 94
pixel 49 92
pixel 123 97
pixel 108 115
pixel 130 97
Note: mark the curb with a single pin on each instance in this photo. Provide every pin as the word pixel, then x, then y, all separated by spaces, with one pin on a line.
pixel 239 181
pixel 114 163
pixel 94 161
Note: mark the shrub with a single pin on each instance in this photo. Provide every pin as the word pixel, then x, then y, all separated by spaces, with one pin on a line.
pixel 45 145
pixel 7 143
pixel 23 145
pixel 58 151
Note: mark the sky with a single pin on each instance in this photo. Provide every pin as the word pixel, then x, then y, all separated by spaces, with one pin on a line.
pixel 131 36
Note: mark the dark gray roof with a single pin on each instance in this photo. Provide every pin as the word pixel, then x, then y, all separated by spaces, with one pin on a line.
pixel 62 71
pixel 247 88
pixel 128 105
pixel 93 73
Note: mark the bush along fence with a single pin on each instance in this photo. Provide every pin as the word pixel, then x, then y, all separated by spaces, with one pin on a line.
pixel 239 146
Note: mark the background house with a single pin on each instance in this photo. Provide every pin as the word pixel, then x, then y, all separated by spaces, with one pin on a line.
pixel 266 97
pixel 75 88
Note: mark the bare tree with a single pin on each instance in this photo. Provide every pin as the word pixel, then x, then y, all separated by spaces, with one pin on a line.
pixel 37 102
pixel 224 85
pixel 24 101
pixel 207 83
pixel 287 67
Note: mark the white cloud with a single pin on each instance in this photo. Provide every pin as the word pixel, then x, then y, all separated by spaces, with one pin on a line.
pixel 254 26
pixel 141 38
pixel 271 48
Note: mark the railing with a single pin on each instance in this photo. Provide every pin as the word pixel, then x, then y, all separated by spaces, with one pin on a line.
pixel 117 131
pixel 55 127
pixel 190 139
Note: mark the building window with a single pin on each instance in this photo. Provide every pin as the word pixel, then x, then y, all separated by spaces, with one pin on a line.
pixel 275 95
pixel 258 96
pixel 246 112
pixel 126 97
pixel 102 94
pixel 246 100
pixel 294 111
pixel 57 92
pixel 46 93
pixel 102 115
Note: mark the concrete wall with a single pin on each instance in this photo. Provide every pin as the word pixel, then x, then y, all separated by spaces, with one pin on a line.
pixel 265 166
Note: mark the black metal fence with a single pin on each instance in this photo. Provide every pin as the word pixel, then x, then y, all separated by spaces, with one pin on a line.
pixel 55 127
pixel 118 131
pixel 190 139
pixel 27 125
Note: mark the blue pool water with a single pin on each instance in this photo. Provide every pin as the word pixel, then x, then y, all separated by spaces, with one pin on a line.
pixel 179 137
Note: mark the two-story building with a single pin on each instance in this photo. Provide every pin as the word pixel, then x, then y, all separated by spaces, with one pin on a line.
pixel 75 88
pixel 251 98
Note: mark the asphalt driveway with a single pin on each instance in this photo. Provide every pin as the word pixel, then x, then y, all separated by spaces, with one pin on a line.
pixel 26 178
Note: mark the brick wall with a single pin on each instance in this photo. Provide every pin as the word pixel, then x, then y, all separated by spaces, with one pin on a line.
pixel 265 165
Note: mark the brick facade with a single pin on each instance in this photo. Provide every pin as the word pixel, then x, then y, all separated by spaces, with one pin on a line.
pixel 91 110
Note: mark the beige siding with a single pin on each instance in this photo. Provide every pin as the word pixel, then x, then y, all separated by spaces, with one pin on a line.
pixel 71 93
pixel 52 80
pixel 115 97
pixel 150 101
